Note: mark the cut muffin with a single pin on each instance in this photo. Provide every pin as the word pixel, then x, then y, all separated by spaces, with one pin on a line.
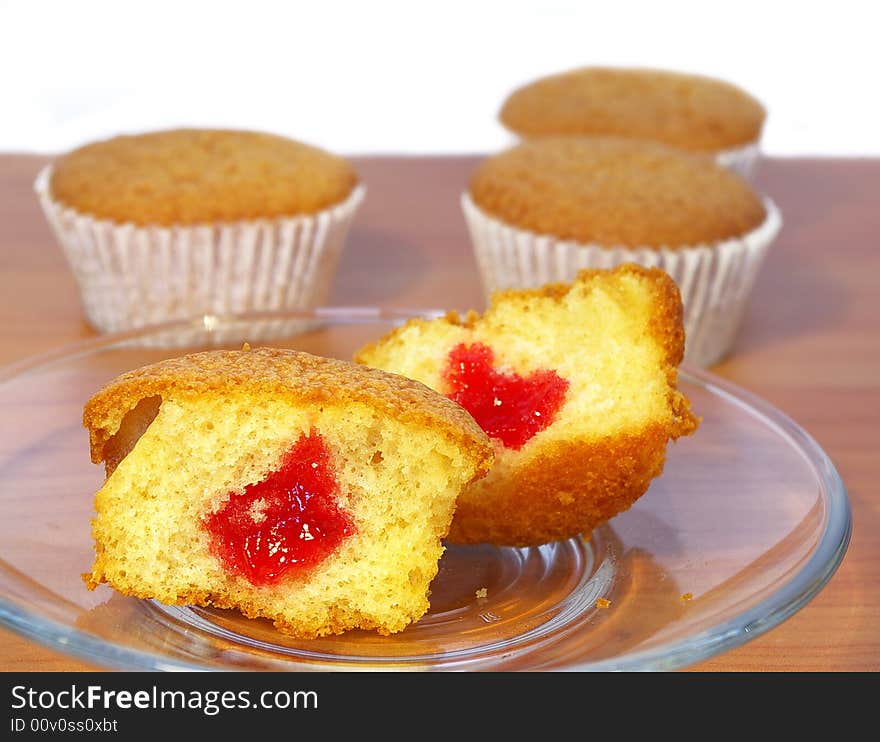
pixel 576 385
pixel 309 491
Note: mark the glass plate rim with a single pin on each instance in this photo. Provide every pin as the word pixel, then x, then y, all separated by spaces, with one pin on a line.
pixel 748 624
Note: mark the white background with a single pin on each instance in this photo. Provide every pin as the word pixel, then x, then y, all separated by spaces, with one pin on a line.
pixel 415 77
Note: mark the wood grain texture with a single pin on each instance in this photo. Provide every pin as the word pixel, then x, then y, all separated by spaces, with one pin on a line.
pixel 808 345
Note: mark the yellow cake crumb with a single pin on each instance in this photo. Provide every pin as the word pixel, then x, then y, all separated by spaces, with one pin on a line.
pixel 603 603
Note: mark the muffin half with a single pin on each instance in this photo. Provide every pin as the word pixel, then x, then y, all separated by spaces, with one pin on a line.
pixel 576 386
pixel 309 491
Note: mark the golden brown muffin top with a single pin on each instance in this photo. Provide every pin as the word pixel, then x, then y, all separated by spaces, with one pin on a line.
pixel 289 373
pixel 194 176
pixel 615 192
pixel 682 110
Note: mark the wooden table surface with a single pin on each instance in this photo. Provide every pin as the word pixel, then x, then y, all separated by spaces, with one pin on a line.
pixel 808 344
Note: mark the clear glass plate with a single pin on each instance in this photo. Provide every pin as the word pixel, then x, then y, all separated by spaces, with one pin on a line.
pixel 747 523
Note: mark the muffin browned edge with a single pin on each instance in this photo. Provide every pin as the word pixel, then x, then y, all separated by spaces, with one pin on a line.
pixel 290 374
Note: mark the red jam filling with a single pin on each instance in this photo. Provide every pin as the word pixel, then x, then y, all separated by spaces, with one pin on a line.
pixel 507 406
pixel 289 521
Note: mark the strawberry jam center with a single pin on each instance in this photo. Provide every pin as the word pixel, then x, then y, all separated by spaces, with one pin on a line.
pixel 507 406
pixel 289 521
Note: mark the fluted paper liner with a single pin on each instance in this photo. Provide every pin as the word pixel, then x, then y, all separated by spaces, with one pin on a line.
pixel 741 160
pixel 131 276
pixel 715 280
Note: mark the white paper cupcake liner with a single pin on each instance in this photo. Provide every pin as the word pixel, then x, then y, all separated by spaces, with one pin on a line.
pixel 714 280
pixel 130 276
pixel 741 160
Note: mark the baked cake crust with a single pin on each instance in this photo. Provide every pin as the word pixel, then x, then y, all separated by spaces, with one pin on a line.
pixel 683 110
pixel 293 374
pixel 194 176
pixel 615 192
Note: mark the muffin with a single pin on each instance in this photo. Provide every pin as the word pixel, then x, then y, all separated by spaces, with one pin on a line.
pixel 308 491
pixel 545 209
pixel 183 223
pixel 692 112
pixel 576 386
